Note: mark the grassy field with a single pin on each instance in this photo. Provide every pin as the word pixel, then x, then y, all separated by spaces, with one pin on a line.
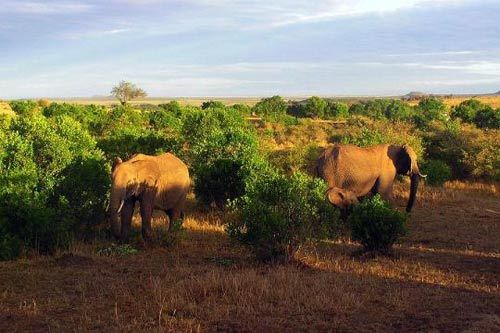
pixel 492 100
pixel 444 277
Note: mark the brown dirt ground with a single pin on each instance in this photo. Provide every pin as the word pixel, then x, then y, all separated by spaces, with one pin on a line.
pixel 443 277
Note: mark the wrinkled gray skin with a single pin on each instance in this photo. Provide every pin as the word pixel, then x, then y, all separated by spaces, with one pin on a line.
pixel 362 171
pixel 156 182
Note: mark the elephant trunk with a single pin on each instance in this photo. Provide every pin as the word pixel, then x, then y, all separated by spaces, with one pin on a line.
pixel 115 206
pixel 415 178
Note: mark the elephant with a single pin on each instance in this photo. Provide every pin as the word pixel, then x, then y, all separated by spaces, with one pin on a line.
pixel 367 170
pixel 342 198
pixel 156 182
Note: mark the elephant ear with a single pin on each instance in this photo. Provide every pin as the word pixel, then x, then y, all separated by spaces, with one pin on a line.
pixel 116 162
pixel 411 159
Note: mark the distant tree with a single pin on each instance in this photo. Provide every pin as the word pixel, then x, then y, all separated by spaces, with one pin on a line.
pixel 270 106
pixel 315 107
pixel 487 118
pixel 126 91
pixel 337 110
pixel 467 110
pixel 212 104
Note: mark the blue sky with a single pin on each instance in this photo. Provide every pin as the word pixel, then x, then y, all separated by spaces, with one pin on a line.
pixel 249 48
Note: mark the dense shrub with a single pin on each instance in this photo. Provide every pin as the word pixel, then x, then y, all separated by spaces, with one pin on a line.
pixel 212 105
pixel 315 107
pixel 126 141
pixel 375 225
pixel 398 110
pixel 365 133
pixel 172 106
pixel 438 172
pixel 47 167
pixel 219 141
pixel 24 107
pixel 222 180
pixel 467 110
pixel 430 109
pixel 271 107
pixel 170 116
pixel 379 109
pixel 336 110
pixel 487 118
pixel 243 109
pixel 278 214
pixel 298 158
pixel 92 117
pixel 469 151
pixel 357 109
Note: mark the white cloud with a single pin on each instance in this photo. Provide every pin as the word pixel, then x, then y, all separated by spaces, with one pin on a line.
pixel 46 7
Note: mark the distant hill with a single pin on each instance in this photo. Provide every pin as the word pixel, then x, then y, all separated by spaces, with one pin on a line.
pixel 414 95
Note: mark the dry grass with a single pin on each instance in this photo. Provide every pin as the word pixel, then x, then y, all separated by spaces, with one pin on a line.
pixel 444 277
pixel 492 100
pixel 5 108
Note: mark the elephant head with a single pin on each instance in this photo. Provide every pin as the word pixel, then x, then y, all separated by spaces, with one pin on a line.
pixel 129 180
pixel 342 198
pixel 405 161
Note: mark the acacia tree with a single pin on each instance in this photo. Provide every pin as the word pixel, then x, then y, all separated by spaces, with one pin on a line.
pixel 125 91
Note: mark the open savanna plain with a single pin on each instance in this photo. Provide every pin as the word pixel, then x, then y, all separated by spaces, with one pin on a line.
pixel 492 100
pixel 443 277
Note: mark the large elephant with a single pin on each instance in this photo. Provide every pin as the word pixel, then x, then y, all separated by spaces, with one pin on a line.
pixel 157 182
pixel 367 170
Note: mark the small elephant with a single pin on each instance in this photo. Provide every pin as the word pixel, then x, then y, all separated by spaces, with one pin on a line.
pixel 342 198
pixel 368 170
pixel 157 182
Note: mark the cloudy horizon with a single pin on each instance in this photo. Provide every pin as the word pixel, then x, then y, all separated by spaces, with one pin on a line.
pixel 249 48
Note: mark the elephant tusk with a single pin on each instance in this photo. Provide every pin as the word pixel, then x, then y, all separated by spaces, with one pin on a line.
pixel 422 175
pixel 120 208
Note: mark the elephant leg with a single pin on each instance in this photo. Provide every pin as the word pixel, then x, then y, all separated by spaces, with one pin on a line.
pixel 127 213
pixel 173 215
pixel 146 214
pixel 385 192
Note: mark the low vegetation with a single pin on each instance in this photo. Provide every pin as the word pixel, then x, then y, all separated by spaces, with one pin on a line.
pixel 54 157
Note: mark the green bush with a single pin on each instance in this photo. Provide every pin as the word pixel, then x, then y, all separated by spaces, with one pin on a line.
pixel 487 118
pixel 47 167
pixel 336 110
pixel 469 151
pixel 467 110
pixel 243 109
pixel 278 214
pixel 212 105
pixel 375 225
pixel 126 141
pixel 170 118
pixel 90 116
pixel 365 132
pixel 298 158
pixel 222 180
pixel 272 106
pixel 218 141
pixel 24 107
pixel 438 172
pixel 367 137
pixel 398 110
pixel 430 109
pixel 315 107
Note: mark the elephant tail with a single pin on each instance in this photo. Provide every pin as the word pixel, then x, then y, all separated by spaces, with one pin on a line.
pixel 415 178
